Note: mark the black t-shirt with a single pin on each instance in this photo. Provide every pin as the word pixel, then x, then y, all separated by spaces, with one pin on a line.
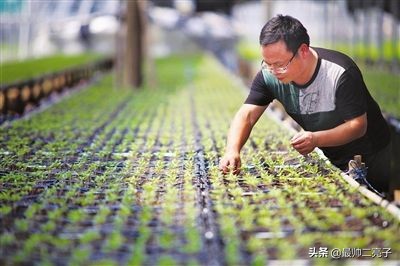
pixel 335 93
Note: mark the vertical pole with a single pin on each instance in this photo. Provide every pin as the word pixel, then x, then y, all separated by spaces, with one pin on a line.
pixel 269 5
pixel 354 34
pixel 326 24
pixel 394 5
pixel 134 44
pixel 380 37
pixel 331 21
pixel 366 33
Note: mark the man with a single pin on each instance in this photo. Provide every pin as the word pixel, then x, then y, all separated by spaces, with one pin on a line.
pixel 323 90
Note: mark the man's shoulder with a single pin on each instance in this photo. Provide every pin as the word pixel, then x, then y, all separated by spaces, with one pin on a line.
pixel 335 57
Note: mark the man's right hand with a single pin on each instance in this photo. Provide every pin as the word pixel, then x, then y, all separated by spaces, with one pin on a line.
pixel 239 132
pixel 230 162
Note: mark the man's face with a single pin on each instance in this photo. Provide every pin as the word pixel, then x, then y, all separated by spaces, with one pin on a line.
pixel 279 61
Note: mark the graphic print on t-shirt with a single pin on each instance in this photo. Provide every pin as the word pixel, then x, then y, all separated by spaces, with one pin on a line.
pixel 308 101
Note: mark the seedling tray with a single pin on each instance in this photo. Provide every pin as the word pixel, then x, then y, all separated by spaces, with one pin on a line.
pixel 117 177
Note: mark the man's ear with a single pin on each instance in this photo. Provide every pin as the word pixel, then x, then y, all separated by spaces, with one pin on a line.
pixel 304 49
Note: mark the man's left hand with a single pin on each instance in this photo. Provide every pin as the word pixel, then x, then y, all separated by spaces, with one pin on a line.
pixel 304 142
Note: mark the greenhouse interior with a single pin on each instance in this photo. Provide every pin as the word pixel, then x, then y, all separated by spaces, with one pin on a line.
pixel 162 132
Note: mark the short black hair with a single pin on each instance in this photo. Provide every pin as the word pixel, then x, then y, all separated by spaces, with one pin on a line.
pixel 287 29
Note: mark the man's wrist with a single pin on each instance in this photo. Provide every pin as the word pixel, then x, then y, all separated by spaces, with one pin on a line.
pixel 231 150
pixel 315 139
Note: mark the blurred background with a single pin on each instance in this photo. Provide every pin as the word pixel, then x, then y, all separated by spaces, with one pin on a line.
pixel 368 29
pixel 41 37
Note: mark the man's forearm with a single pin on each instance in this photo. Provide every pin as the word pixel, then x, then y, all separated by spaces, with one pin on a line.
pixel 241 126
pixel 238 134
pixel 341 134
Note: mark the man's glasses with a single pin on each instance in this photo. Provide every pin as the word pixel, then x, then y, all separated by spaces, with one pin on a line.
pixel 278 70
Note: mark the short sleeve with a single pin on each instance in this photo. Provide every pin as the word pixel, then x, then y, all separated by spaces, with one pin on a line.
pixel 259 93
pixel 351 98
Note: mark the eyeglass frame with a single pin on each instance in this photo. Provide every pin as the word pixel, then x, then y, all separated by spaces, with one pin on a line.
pixel 278 70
